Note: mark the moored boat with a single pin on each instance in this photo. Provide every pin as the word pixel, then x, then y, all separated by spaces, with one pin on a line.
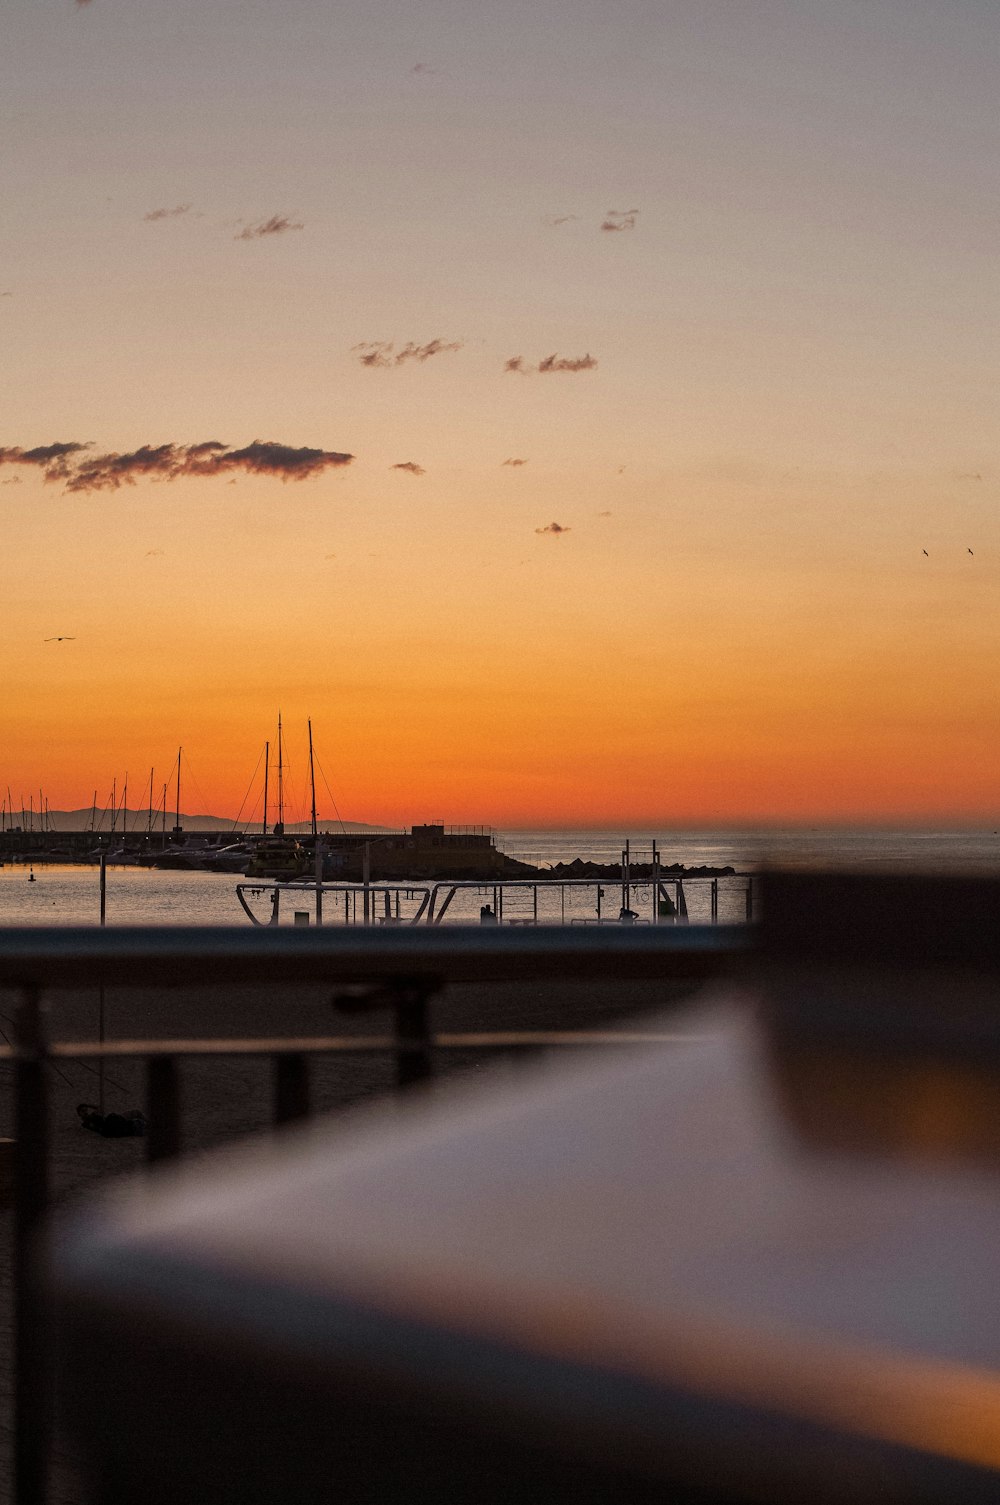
pixel 278 857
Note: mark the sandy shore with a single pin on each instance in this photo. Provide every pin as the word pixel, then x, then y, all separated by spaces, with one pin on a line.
pixel 224 1099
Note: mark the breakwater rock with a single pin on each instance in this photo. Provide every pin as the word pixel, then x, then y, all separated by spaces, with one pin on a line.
pixel 639 872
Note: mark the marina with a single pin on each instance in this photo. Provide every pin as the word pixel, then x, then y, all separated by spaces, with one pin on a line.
pixel 66 892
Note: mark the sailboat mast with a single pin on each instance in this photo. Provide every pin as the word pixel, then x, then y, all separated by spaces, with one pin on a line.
pixel 312 778
pixel 267 762
pixel 149 822
pixel 125 810
pixel 177 813
pixel 280 828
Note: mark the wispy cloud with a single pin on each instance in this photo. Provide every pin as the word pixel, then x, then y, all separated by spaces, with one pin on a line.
pixel 620 219
pixel 54 459
pixel 153 553
pixel 422 353
pixel 550 363
pixel 515 462
pixel 560 363
pixel 604 514
pixel 155 214
pixel 108 472
pixel 278 224
pixel 555 220
pixel 555 528
pixel 424 68
pixel 410 466
pixel 380 354
pixel 377 354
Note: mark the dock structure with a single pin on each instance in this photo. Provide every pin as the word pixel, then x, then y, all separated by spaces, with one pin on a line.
pixel 423 850
pixel 430 852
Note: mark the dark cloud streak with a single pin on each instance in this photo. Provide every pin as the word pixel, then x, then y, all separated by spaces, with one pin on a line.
pixel 155 214
pixel 382 354
pixel 167 462
pixel 550 363
pixel 53 459
pixel 278 224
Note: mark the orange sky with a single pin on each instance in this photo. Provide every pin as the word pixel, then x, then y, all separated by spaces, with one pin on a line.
pixel 794 397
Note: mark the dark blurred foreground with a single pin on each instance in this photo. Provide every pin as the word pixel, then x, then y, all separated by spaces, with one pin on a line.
pixel 754 1260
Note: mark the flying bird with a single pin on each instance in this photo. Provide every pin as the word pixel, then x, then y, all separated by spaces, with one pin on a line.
pixel 968 551
pixel 924 551
pixel 60 640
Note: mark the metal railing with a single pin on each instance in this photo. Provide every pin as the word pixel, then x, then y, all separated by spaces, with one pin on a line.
pixel 396 970
pixel 359 903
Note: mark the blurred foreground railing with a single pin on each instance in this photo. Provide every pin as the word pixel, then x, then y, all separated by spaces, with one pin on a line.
pixel 398 971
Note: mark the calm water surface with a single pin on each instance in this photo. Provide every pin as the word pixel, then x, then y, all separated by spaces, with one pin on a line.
pixel 68 895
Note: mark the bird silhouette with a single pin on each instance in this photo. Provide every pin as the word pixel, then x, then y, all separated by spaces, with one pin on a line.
pixel 924 551
pixel 969 551
pixel 60 640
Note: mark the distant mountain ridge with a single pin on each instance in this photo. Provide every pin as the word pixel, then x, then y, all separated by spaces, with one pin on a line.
pixel 79 820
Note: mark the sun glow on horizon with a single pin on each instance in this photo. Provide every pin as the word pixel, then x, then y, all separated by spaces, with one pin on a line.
pixel 547 512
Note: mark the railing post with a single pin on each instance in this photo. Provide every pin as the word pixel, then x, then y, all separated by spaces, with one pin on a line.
pixel 32 1398
pixel 291 1087
pixel 163 1109
pixel 414 1062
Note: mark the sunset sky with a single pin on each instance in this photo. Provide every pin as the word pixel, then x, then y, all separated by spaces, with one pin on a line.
pixel 760 239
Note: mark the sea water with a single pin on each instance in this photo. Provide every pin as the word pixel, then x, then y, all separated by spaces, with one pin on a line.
pixel 945 851
pixel 64 894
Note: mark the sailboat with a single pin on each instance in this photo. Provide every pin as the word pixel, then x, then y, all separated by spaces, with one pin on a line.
pixel 277 855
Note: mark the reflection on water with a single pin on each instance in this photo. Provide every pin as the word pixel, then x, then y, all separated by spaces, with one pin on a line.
pixel 69 895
